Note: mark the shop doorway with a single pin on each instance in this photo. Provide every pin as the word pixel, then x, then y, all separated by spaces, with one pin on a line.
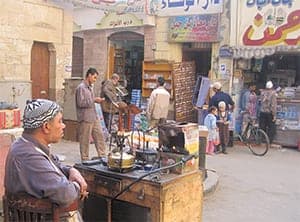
pixel 126 55
pixel 282 69
pixel 202 59
pixel 40 63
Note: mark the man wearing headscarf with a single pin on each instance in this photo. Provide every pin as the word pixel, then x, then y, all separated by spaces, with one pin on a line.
pixel 31 169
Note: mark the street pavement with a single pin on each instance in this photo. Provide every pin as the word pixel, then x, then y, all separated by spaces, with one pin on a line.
pixel 254 189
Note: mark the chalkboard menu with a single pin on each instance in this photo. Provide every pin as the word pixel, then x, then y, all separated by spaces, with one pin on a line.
pixel 184 83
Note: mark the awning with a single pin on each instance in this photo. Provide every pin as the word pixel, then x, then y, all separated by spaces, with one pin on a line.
pixel 260 52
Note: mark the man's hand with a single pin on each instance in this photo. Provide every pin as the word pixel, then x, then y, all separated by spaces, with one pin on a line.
pixel 99 99
pixel 74 175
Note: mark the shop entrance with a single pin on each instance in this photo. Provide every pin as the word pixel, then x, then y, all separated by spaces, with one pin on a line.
pixel 282 69
pixel 201 57
pixel 40 58
pixel 126 55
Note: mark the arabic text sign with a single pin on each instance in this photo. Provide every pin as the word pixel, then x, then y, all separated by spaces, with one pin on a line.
pixel 113 20
pixel 262 3
pixel 120 6
pixel 197 28
pixel 271 25
pixel 185 7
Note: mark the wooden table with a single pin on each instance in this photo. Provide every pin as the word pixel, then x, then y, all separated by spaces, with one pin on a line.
pixel 170 197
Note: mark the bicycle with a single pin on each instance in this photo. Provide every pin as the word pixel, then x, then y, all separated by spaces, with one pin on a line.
pixel 255 138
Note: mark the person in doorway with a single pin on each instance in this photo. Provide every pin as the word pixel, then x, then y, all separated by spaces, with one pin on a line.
pixel 268 106
pixel 221 96
pixel 249 104
pixel 113 102
pixel 89 123
pixel 31 169
pixel 210 121
pixel 223 120
pixel 158 105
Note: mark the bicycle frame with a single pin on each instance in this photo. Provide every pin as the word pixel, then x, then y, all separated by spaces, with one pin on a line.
pixel 255 139
pixel 247 130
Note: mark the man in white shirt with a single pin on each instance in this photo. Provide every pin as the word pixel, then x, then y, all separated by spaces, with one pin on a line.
pixel 158 106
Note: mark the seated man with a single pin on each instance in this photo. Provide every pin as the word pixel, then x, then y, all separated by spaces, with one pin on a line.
pixel 31 169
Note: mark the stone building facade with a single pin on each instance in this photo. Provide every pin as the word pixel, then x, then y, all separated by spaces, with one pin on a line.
pixel 25 24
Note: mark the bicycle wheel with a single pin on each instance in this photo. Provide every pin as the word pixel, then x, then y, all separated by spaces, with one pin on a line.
pixel 258 142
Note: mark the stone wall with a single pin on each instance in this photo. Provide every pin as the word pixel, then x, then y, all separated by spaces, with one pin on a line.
pixel 22 23
pixel 164 49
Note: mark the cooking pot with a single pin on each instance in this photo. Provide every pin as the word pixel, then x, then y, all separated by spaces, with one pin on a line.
pixel 118 161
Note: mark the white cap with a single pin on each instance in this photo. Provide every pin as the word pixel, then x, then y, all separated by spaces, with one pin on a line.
pixel 221 104
pixel 269 85
pixel 217 85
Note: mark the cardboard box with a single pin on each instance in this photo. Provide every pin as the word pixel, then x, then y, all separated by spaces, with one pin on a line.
pixel 2 119
pixel 182 137
pixel 16 117
pixel 10 118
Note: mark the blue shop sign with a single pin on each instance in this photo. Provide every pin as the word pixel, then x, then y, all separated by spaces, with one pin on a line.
pixel 225 51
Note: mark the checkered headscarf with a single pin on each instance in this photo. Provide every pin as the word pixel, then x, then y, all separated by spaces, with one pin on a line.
pixel 39 111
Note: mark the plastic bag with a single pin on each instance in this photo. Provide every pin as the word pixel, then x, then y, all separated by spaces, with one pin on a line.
pixel 216 140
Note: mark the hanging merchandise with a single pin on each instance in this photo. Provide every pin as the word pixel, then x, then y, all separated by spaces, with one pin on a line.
pixel 101 118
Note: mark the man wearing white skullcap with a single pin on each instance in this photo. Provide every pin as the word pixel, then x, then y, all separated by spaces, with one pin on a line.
pixel 31 169
pixel 220 96
pixel 268 105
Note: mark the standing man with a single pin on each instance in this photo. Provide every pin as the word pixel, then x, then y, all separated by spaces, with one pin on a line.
pixel 112 101
pixel 268 106
pixel 158 105
pixel 249 104
pixel 89 123
pixel 31 169
pixel 220 96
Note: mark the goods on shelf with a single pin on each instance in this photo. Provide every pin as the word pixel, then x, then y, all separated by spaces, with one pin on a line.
pixel 288 122
pixel 151 71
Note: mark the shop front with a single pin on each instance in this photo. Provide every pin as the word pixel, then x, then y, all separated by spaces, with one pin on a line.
pixel 198 34
pixel 142 42
pixel 267 47
pixel 115 42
